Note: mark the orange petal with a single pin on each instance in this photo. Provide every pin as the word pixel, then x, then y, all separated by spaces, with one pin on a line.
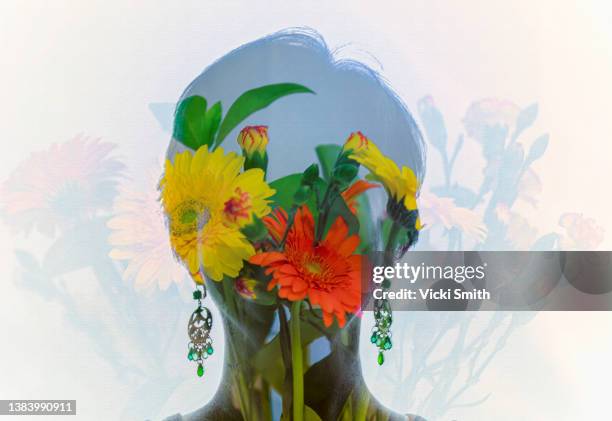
pixel 303 226
pixel 357 188
pixel 349 245
pixel 276 223
pixel 287 281
pixel 328 319
pixel 288 269
pixel 327 302
pixel 295 296
pixel 299 285
pixel 341 318
pixel 336 234
pixel 267 258
pixel 284 292
pixel 272 284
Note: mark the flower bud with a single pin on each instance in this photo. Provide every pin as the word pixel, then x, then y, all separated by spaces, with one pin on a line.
pixel 253 141
pixel 355 142
pixel 245 287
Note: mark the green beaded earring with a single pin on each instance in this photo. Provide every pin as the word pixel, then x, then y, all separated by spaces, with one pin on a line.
pixel 199 327
pixel 381 332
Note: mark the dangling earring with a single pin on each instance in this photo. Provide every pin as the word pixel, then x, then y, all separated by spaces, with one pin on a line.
pixel 199 327
pixel 381 332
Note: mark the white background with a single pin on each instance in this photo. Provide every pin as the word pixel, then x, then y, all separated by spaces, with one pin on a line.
pixel 93 67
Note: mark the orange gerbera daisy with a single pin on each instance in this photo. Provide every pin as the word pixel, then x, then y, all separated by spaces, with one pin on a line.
pixel 328 272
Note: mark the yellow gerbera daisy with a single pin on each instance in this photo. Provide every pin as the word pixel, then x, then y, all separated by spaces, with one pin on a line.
pixel 207 200
pixel 402 185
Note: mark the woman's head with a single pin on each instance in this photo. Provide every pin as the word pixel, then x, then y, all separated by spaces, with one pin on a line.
pixel 349 96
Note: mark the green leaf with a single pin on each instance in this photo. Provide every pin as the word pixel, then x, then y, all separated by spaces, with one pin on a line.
pixel 310 414
pixel 537 150
pixel 285 187
pixel 302 195
pixel 311 175
pixel 345 173
pixel 255 231
pixel 189 122
pixel 255 100
pixel 327 155
pixel 212 119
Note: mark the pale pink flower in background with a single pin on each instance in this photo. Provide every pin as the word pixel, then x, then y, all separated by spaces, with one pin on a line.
pixel 489 112
pixel 435 210
pixel 140 238
pixel 519 232
pixel 61 186
pixel 581 233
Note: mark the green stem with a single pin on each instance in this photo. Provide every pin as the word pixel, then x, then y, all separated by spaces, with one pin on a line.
pixel 363 401
pixel 285 344
pixel 290 221
pixel 243 390
pixel 297 363
pixel 324 208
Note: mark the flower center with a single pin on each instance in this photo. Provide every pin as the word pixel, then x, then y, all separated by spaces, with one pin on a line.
pixel 189 217
pixel 238 206
pixel 318 273
pixel 313 267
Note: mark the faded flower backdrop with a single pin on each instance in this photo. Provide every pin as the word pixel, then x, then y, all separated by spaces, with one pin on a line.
pixel 59 187
pixel 95 66
pixel 139 236
pixel 445 354
pixel 79 192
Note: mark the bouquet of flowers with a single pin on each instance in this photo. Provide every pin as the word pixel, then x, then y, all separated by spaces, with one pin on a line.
pixel 282 258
